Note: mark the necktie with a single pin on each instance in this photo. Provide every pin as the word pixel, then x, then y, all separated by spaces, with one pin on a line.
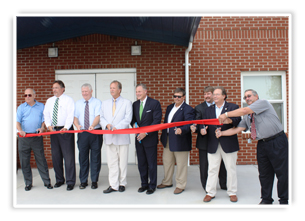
pixel 86 119
pixel 55 113
pixel 113 107
pixel 141 109
pixel 253 129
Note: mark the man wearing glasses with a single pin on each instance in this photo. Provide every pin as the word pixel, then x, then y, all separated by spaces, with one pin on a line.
pixel 224 148
pixel 59 116
pixel 177 142
pixel 30 120
pixel 272 146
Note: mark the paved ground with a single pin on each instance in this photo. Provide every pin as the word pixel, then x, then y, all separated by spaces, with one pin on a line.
pixel 39 196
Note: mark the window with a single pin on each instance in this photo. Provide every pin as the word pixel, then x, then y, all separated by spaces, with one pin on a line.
pixel 271 86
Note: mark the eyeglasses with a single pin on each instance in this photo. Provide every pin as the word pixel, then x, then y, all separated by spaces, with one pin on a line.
pixel 27 95
pixel 176 96
pixel 249 95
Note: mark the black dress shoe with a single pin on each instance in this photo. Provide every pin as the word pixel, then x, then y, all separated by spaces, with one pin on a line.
pixel 83 185
pixel 142 189
pixel 28 187
pixel 109 190
pixel 94 185
pixel 121 188
pixel 264 202
pixel 58 184
pixel 49 186
pixel 70 187
pixel 150 191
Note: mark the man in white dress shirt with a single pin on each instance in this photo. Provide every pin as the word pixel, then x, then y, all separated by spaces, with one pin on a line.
pixel 116 113
pixel 59 116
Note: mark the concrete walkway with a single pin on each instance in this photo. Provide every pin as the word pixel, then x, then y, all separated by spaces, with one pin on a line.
pixel 41 197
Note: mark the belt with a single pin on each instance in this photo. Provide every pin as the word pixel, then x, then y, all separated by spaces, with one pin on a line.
pixel 58 127
pixel 273 137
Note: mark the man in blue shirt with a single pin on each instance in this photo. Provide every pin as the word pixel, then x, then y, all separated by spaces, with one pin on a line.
pixel 30 120
pixel 87 117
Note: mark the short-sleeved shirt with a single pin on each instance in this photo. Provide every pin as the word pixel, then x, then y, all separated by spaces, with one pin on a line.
pixel 94 111
pixel 30 117
pixel 267 123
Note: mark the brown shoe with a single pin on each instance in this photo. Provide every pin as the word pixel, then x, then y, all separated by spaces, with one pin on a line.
pixel 178 190
pixel 162 186
pixel 208 198
pixel 233 198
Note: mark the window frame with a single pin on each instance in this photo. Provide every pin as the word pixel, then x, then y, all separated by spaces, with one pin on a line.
pixel 284 90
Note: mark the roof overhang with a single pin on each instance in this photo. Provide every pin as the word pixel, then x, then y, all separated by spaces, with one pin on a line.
pixel 33 31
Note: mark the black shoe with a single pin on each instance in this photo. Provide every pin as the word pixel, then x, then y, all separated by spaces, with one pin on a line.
pixel 150 191
pixel 58 184
pixel 264 202
pixel 83 185
pixel 94 185
pixel 49 186
pixel 142 189
pixel 121 188
pixel 224 188
pixel 109 190
pixel 28 187
pixel 70 187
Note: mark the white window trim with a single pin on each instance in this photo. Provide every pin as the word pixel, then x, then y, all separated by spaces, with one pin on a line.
pixel 284 89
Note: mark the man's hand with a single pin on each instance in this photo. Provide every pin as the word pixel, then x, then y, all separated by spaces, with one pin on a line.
pixel 109 126
pixel 222 118
pixel 193 128
pixel 50 128
pixel 203 131
pixel 178 131
pixel 22 133
pixel 91 128
pixel 63 129
pixel 218 132
pixel 141 136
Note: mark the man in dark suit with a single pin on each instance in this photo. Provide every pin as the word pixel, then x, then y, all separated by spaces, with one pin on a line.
pixel 202 142
pixel 177 142
pixel 218 149
pixel 146 111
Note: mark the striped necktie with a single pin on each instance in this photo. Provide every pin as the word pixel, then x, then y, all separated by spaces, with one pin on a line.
pixel 55 113
pixel 141 109
pixel 253 129
pixel 86 118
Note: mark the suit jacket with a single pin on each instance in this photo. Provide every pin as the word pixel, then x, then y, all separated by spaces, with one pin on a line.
pixel 202 141
pixel 181 142
pixel 229 144
pixel 152 114
pixel 121 120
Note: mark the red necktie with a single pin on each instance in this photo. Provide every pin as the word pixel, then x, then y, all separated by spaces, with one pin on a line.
pixel 253 130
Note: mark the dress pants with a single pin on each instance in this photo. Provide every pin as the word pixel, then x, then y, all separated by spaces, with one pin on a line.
pixel 203 168
pixel 25 145
pixel 117 160
pixel 89 144
pixel 147 165
pixel 229 160
pixel 63 148
pixel 169 160
pixel 272 159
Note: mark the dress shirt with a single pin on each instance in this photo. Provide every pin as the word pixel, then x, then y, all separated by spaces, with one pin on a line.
pixel 65 111
pixel 209 104
pixel 144 102
pixel 30 117
pixel 172 113
pixel 218 110
pixel 94 111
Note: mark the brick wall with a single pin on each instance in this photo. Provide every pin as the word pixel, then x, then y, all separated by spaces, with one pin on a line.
pixel 223 47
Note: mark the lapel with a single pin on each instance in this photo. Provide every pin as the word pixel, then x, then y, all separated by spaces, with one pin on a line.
pixel 225 108
pixel 178 111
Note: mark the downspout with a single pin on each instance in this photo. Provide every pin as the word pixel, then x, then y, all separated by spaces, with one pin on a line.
pixel 187 64
pixel 187 86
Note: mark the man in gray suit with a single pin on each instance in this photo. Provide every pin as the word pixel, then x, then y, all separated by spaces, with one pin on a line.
pixel 116 113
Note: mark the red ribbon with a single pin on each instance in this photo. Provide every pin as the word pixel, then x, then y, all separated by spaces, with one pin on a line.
pixel 145 129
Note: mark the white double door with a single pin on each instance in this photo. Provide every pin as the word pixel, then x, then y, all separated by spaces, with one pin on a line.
pixel 100 83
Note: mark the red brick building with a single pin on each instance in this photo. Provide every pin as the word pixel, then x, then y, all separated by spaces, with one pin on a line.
pixel 233 52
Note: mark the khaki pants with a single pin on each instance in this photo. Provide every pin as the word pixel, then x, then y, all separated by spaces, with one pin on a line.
pixel 169 160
